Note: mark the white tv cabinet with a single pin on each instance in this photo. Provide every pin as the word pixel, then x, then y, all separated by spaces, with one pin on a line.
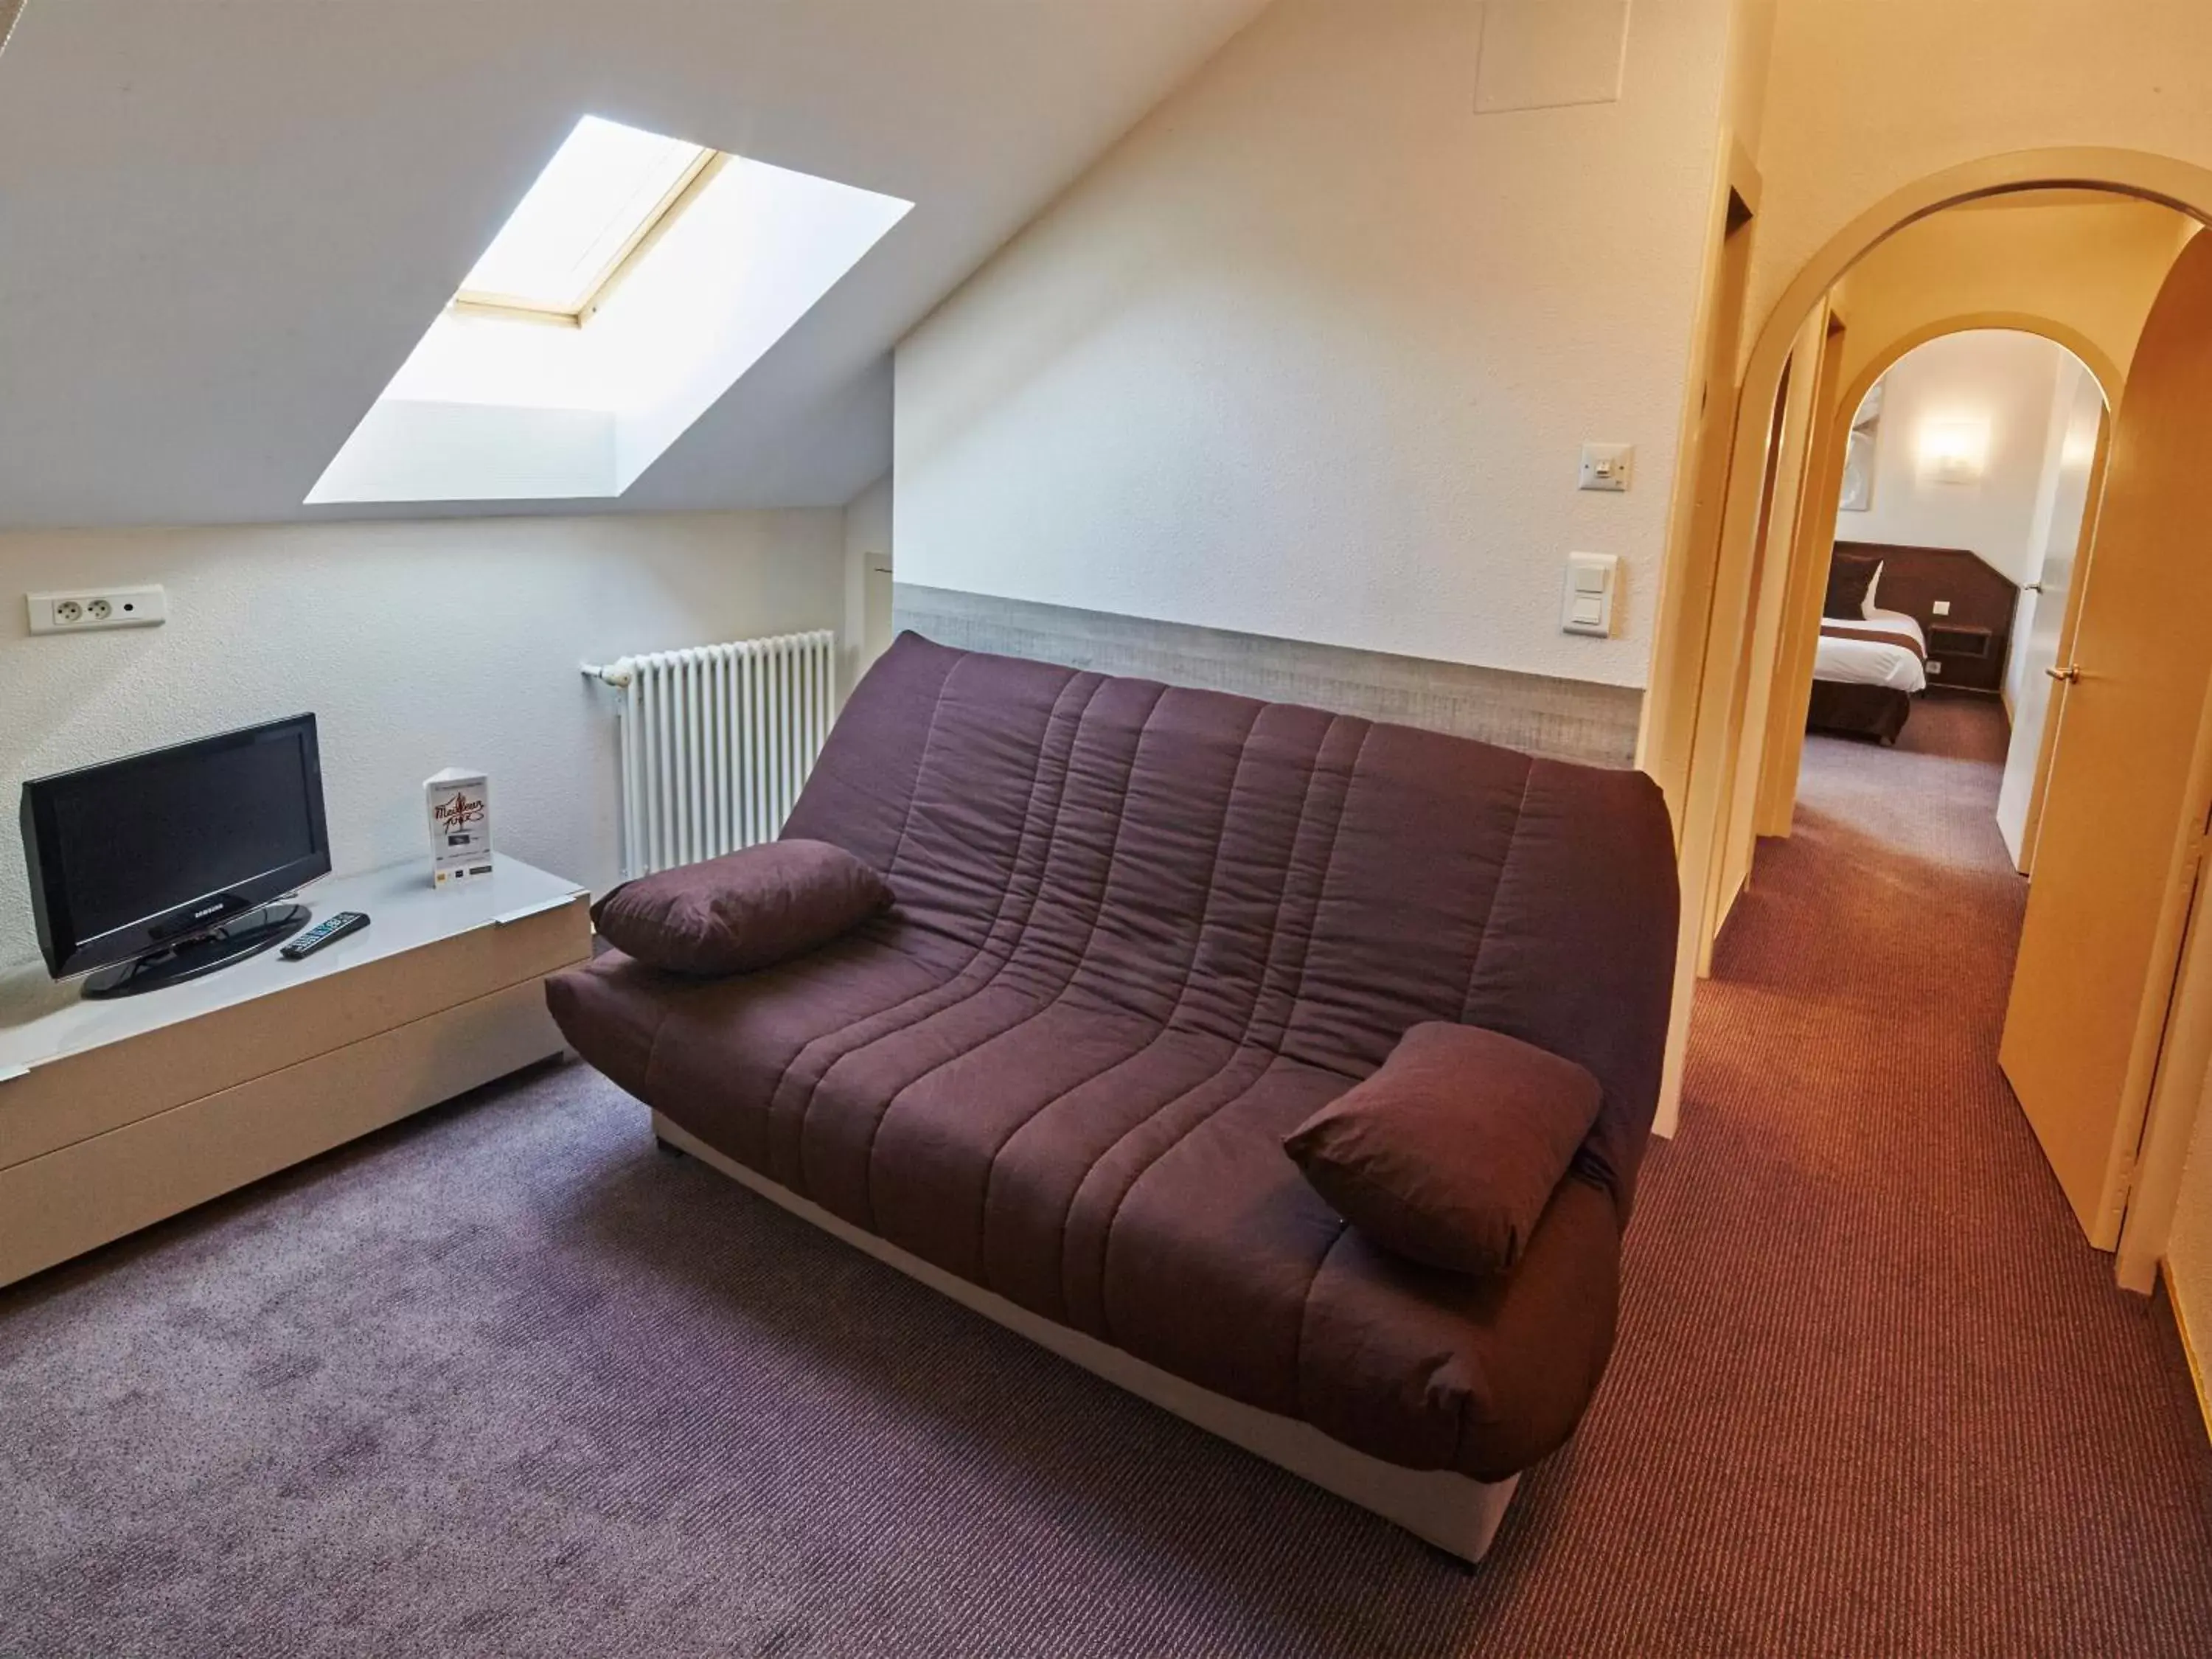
pixel 115 1114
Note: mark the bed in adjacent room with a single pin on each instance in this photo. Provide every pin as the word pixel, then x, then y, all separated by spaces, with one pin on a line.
pixel 1865 674
pixel 1869 663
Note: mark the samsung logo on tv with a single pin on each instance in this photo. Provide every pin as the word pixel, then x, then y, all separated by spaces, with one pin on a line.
pixel 206 910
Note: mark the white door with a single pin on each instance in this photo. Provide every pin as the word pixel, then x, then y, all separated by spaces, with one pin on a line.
pixel 2043 614
pixel 2124 814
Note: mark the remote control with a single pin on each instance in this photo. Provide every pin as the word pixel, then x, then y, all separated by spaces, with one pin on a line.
pixel 346 921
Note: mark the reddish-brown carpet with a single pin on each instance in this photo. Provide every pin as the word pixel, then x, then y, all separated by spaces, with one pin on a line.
pixel 505 1381
pixel 1875 1394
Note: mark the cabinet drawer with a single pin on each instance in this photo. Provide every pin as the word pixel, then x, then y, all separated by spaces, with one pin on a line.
pixel 100 1188
pixel 79 1094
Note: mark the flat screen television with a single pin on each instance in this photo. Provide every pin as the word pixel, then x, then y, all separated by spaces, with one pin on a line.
pixel 162 867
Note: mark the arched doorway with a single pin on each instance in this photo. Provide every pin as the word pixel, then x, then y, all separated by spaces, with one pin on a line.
pixel 1695 739
pixel 2027 527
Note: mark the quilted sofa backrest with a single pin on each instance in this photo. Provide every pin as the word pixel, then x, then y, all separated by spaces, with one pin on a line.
pixel 1276 876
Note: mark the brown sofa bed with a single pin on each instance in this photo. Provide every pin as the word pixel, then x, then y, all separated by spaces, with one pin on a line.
pixel 1142 933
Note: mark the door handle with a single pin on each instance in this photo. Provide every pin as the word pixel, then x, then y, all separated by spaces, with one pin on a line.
pixel 2069 675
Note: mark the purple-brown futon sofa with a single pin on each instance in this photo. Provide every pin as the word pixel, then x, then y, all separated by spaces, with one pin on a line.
pixel 1140 934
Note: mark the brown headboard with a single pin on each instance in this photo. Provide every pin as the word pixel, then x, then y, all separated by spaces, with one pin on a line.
pixel 1914 578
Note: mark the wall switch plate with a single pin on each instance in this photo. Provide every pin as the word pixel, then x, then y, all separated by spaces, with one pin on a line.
pixel 1941 607
pixel 1586 605
pixel 80 611
pixel 1607 466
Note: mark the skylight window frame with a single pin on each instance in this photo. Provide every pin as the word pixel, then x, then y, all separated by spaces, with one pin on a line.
pixel 488 408
pixel 650 228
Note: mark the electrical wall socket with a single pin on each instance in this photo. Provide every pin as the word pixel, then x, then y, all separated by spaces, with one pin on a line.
pixel 87 608
pixel 1609 467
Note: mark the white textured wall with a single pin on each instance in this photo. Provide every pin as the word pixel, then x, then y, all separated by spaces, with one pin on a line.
pixel 417 646
pixel 2005 379
pixel 1311 353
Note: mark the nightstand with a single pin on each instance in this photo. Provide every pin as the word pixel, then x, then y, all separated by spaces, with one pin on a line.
pixel 1963 659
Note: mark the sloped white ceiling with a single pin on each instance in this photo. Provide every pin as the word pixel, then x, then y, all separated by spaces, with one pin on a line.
pixel 225 223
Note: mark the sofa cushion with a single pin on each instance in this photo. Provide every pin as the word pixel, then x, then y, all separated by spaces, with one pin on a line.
pixel 746 910
pixel 1449 1153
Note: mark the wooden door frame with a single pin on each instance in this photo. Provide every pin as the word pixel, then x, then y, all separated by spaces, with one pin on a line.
pixel 2177 1096
pixel 1781 504
pixel 1805 590
pixel 1683 608
pixel 1688 745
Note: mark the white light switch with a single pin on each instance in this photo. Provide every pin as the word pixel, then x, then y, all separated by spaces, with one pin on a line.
pixel 1941 607
pixel 1607 466
pixel 1586 607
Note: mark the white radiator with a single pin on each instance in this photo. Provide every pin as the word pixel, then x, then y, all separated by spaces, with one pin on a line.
pixel 716 741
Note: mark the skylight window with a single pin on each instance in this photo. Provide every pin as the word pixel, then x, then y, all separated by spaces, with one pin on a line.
pixel 671 267
pixel 606 191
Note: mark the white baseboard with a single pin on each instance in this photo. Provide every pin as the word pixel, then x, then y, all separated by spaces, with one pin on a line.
pixel 1457 1515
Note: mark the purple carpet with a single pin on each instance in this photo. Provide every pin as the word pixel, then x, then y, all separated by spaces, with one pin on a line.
pixel 504 1381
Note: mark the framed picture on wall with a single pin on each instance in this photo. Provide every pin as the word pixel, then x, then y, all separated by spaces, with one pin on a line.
pixel 1858 472
pixel 1860 447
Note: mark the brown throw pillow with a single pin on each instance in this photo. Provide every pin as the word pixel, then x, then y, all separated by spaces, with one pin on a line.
pixel 744 911
pixel 1450 1151
pixel 1850 575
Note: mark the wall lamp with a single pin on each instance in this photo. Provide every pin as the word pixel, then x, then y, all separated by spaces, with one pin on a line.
pixel 1954 452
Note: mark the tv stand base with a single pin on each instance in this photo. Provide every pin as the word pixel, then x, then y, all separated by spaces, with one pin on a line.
pixel 247 935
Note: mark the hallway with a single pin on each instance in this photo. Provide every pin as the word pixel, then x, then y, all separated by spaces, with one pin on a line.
pixel 1985 1446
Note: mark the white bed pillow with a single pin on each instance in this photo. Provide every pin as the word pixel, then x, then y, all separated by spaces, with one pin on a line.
pixel 1867 607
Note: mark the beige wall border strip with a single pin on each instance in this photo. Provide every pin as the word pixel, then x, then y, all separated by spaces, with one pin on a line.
pixel 1560 719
